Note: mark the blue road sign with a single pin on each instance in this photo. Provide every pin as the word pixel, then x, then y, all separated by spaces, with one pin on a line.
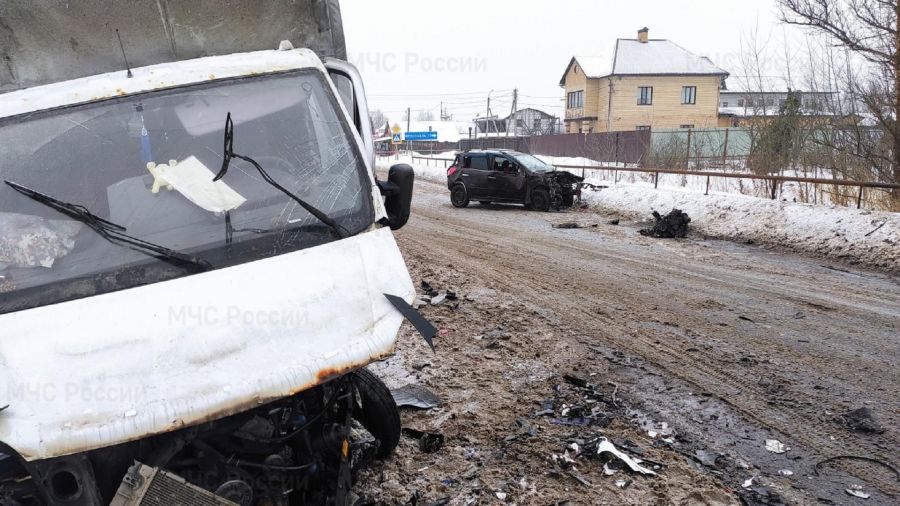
pixel 396 139
pixel 420 136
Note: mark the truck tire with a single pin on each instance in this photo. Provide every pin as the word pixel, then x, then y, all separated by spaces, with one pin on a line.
pixel 377 411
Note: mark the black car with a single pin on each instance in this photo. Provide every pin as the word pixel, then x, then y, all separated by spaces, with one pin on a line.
pixel 506 176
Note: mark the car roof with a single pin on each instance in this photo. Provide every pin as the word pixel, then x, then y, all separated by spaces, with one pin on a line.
pixel 492 152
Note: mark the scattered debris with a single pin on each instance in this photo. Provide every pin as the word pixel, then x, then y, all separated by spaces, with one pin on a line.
pixel 500 495
pixel 572 224
pixel 614 222
pixel 673 225
pixel 776 446
pixel 861 420
pixel 748 482
pixel 706 458
pixel 786 472
pixel 604 446
pixel 580 479
pixel 883 223
pixel 857 491
pixel 415 395
pixel 622 483
pixel 428 442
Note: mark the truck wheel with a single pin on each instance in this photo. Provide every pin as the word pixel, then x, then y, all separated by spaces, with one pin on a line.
pixel 377 411
pixel 568 200
pixel 540 200
pixel 459 196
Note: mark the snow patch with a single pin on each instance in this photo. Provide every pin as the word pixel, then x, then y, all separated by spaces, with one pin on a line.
pixel 867 237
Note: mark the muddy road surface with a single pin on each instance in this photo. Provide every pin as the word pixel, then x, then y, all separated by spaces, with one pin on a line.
pixel 695 352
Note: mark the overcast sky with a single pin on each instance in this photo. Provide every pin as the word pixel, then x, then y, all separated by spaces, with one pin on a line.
pixel 416 53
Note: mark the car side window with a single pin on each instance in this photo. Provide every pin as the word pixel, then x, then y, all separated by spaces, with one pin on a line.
pixel 478 163
pixel 467 162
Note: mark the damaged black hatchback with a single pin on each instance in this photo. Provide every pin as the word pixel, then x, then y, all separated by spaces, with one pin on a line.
pixel 505 176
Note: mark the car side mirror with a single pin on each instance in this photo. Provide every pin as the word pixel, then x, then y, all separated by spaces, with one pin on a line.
pixel 398 191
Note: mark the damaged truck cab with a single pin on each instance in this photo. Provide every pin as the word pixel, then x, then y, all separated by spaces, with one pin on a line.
pixel 194 257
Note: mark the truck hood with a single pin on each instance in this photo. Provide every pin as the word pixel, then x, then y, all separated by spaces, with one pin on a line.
pixel 122 366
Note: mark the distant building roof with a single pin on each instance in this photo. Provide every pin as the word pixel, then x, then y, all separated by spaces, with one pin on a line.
pixel 632 57
pixel 763 84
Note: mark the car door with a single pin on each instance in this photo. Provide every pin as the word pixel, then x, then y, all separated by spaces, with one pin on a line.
pixel 475 174
pixel 507 180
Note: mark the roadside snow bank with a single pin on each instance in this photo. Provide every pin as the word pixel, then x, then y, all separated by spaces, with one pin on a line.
pixel 867 237
pixel 435 171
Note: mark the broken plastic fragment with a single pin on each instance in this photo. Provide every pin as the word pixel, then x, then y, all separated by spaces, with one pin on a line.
pixel 776 446
pixel 415 396
pixel 857 491
pixel 606 447
pixel 418 321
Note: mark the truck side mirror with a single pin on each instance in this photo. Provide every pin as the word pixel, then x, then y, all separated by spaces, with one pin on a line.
pixel 398 191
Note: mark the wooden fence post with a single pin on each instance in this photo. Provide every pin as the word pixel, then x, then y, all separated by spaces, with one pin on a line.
pixel 859 198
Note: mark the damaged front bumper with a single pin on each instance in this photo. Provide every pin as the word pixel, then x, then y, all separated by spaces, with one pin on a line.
pixel 124 366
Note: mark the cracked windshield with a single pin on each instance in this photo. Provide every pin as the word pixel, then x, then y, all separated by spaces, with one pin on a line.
pixel 121 192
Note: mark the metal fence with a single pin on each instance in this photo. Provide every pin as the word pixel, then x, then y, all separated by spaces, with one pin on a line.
pixel 773 183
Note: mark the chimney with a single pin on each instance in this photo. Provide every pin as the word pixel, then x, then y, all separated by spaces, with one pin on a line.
pixel 644 35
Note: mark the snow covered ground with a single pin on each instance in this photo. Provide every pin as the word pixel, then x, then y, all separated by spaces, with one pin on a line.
pixel 858 236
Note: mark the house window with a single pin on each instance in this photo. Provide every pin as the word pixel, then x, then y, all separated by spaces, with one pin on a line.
pixel 536 124
pixel 642 128
pixel 689 127
pixel 725 104
pixel 740 102
pixel 689 95
pixel 645 95
pixel 575 100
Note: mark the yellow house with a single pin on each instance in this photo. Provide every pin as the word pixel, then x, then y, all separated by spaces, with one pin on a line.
pixel 646 84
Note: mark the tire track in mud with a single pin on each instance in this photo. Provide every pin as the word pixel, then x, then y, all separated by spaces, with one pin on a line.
pixel 496 255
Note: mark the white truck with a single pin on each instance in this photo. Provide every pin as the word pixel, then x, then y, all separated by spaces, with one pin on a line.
pixel 195 255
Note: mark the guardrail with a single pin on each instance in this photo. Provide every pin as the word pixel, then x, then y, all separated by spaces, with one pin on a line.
pixel 773 181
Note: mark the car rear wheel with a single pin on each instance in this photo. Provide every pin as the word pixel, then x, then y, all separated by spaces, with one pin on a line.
pixel 459 197
pixel 540 200
pixel 378 412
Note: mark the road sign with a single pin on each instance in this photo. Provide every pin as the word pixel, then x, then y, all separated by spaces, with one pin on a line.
pixel 421 136
pixel 396 139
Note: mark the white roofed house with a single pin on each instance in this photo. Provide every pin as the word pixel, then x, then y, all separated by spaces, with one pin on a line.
pixel 750 99
pixel 644 84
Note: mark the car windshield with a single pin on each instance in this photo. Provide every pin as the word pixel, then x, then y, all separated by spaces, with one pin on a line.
pixel 147 162
pixel 533 164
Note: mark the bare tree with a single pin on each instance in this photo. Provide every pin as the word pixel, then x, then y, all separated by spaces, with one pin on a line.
pixel 379 120
pixel 868 29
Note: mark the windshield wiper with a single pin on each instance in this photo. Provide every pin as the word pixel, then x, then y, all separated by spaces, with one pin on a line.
pixel 115 233
pixel 229 153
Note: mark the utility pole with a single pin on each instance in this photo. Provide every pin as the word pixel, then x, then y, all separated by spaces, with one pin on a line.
pixel 487 114
pixel 512 113
pixel 408 122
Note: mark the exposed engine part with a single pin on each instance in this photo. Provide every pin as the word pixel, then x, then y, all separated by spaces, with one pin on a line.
pixel 146 486
pixel 297 450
